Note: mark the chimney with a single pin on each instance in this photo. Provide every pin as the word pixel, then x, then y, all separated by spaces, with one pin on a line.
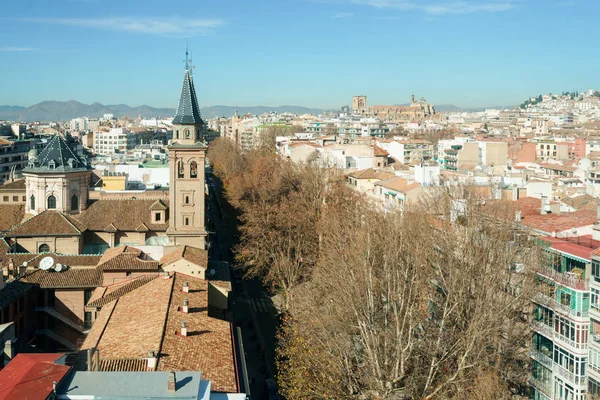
pixel 543 205
pixel 11 266
pixel 167 276
pixel 185 305
pixel 9 350
pixel 515 193
pixel 518 216
pixel 97 357
pixel 183 328
pixel 151 360
pixel 171 385
pixel 90 355
pixel 186 288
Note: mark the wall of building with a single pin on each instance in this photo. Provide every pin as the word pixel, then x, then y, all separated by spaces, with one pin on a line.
pixel 59 244
pixel 70 303
pixel 61 186
pixel 185 267
pixel 468 155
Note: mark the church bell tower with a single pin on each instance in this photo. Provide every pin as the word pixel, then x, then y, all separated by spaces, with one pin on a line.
pixel 186 170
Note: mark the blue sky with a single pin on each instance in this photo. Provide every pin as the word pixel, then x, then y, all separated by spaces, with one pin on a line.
pixel 303 52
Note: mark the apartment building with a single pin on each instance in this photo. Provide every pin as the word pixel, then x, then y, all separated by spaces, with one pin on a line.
pixel 13 156
pixel 409 151
pixel 115 141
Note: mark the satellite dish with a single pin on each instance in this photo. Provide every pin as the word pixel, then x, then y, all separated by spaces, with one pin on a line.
pixel 58 267
pixel 46 263
pixel 24 263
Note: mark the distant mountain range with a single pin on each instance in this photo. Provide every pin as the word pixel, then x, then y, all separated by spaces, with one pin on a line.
pixel 66 110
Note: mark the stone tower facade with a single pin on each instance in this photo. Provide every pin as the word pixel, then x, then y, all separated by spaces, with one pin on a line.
pixel 56 179
pixel 186 172
pixel 359 104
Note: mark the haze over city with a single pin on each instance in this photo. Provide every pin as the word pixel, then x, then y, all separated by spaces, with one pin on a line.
pixel 311 53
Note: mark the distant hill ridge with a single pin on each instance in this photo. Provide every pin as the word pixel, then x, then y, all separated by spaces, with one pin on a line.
pixel 66 110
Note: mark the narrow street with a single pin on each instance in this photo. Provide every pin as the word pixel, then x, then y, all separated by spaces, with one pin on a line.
pixel 251 307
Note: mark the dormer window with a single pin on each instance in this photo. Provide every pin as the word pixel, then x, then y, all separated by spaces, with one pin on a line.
pixel 158 217
pixel 52 164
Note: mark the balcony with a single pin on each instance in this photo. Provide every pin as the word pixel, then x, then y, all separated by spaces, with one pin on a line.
pixel 570 344
pixel 570 376
pixel 568 279
pixel 543 329
pixel 544 387
pixel 569 312
pixel 545 360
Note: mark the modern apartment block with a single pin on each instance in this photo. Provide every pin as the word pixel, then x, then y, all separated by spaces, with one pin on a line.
pixel 565 348
pixel 117 140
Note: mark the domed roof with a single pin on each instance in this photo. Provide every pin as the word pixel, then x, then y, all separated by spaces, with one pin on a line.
pixel 57 156
pixel 33 153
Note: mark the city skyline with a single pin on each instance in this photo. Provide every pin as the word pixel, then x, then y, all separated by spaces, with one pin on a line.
pixel 306 53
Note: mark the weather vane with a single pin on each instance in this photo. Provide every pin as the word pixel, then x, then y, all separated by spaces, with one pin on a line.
pixel 188 61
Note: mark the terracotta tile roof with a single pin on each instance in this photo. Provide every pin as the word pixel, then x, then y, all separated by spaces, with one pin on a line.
pixel 71 278
pixel 574 249
pixel 133 324
pixel 158 205
pixel 208 346
pixel 126 258
pixel 13 291
pixel 560 222
pixel 558 167
pixel 125 364
pixel 19 184
pixel 31 376
pixel 125 215
pixel 398 184
pixel 48 222
pixel 11 215
pixel 379 152
pixel 112 252
pixel 109 294
pixel 148 318
pixel 71 260
pixel 189 253
pixel 585 201
pixel 370 173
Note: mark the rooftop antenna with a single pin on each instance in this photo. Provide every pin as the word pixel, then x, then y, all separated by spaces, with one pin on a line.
pixel 187 59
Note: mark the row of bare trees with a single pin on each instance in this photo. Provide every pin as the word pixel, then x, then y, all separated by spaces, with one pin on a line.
pixel 421 303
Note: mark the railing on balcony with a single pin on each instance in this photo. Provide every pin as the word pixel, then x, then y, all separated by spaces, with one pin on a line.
pixel 563 278
pixel 541 327
pixel 543 386
pixel 568 311
pixel 574 379
pixel 542 358
pixel 571 343
pixel 544 300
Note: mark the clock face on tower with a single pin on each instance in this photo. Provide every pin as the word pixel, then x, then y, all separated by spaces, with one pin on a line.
pixel 187 133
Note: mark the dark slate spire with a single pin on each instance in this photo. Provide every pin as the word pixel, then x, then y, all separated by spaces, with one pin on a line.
pixel 188 112
pixel 57 156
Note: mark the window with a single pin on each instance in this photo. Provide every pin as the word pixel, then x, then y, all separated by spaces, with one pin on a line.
pixel 187 199
pixel 187 221
pixel 51 203
pixel 187 133
pixel 157 217
pixel 193 169
pixel 24 198
pixel 180 169
pixel 44 248
pixel 32 202
pixel 74 203
pixel 5 198
pixel 15 198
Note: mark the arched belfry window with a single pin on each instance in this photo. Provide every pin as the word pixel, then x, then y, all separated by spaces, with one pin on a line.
pixel 193 169
pixel 51 203
pixel 32 202
pixel 44 248
pixel 180 169
pixel 74 203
